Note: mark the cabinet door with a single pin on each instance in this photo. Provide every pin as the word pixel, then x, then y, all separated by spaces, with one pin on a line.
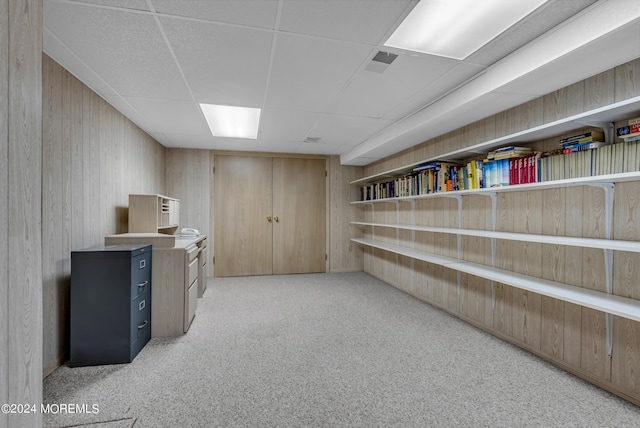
pixel 299 233
pixel 243 202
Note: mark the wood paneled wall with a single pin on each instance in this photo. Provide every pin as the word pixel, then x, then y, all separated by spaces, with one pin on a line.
pixel 20 213
pixel 188 179
pixel 4 210
pixel 344 256
pixel 93 158
pixel 186 172
pixel 568 335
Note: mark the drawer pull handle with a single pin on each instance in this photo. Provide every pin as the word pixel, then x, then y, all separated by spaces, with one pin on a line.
pixel 142 284
pixel 143 263
pixel 142 305
pixel 143 325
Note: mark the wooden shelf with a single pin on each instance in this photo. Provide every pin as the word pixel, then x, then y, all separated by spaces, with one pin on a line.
pixel 605 244
pixel 608 303
pixel 596 117
pixel 569 182
pixel 529 321
pixel 153 213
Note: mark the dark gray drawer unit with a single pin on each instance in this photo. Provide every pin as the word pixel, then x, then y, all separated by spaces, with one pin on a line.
pixel 110 303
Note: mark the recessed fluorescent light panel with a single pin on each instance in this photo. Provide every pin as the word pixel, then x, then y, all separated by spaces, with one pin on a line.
pixel 457 28
pixel 233 122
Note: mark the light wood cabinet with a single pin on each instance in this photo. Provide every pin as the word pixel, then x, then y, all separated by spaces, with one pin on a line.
pixel 153 213
pixel 270 215
pixel 176 278
pixel 202 267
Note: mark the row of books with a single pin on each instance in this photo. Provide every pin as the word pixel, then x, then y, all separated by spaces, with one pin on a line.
pixel 434 177
pixel 428 178
pixel 437 177
pixel 609 159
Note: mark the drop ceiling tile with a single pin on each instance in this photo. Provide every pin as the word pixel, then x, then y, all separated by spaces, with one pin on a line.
pixel 362 21
pixel 171 117
pixel 223 64
pixel 254 13
pixel 320 149
pixel 373 94
pixel 284 124
pixel 346 130
pixel 279 146
pixel 308 73
pixel 252 145
pixel 125 4
pixel 125 49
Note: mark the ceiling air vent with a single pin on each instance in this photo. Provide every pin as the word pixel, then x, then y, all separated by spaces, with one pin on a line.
pixel 381 62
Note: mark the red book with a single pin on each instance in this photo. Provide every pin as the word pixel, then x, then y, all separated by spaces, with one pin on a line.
pixel 512 179
pixel 521 171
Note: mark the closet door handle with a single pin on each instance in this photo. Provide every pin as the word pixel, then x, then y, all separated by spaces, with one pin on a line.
pixel 269 219
pixel 276 218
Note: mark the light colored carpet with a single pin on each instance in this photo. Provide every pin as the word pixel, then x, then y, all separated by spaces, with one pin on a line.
pixel 330 350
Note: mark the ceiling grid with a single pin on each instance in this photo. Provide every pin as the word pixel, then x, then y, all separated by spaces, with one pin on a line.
pixel 304 63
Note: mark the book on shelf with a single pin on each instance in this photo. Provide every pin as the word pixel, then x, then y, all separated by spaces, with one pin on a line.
pixel 430 177
pixel 508 152
pixel 524 169
pixel 583 159
pixel 622 132
pixel 631 130
pixel 585 136
pixel 496 173
pixel 578 147
pixel 628 131
pixel 511 148
pixel 423 166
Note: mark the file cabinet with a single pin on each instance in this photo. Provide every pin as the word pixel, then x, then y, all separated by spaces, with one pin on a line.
pixel 110 303
pixel 177 281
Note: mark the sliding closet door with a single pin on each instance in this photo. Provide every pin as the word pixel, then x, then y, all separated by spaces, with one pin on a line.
pixel 299 214
pixel 242 213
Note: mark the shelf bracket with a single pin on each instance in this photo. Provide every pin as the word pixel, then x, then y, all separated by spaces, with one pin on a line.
pixel 609 193
pixel 608 128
